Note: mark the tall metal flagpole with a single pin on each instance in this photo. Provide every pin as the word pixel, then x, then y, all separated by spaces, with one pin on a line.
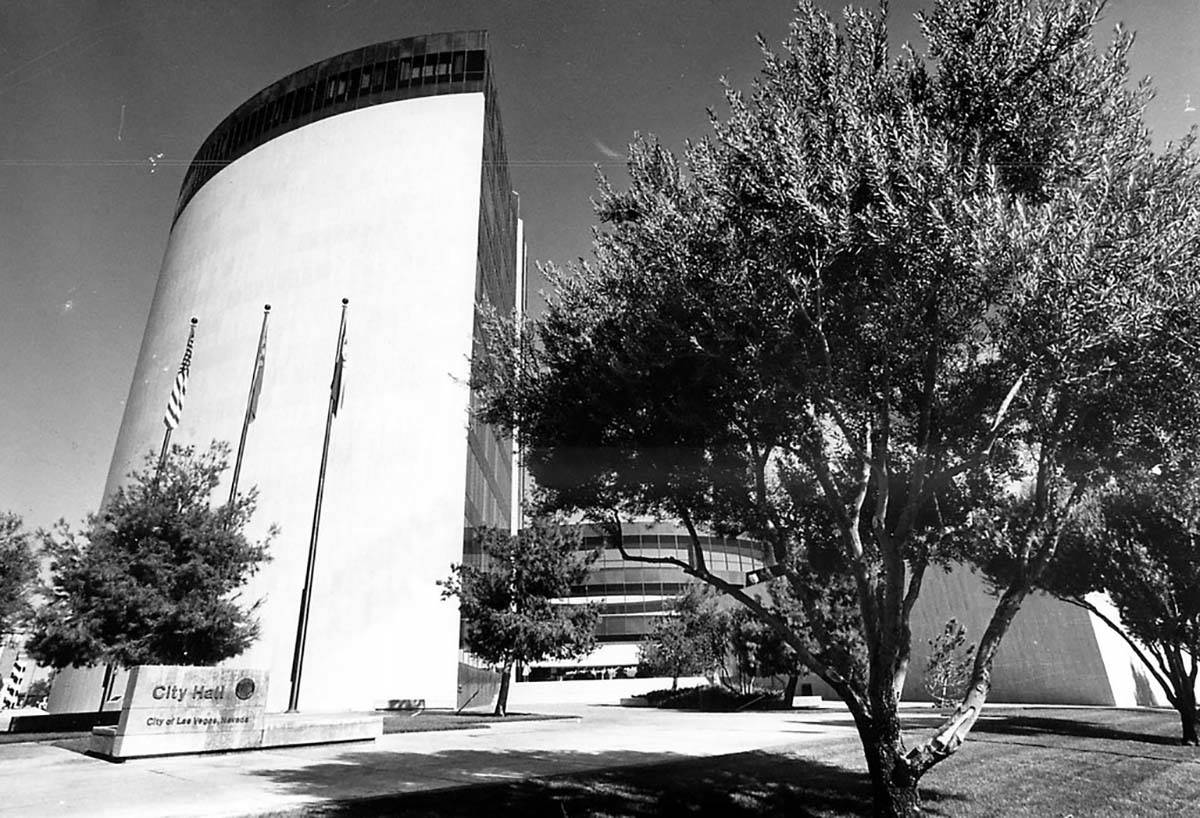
pixel 260 361
pixel 175 402
pixel 335 396
pixel 170 420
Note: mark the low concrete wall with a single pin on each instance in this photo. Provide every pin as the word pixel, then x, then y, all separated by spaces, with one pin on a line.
pixel 477 688
pixel 80 690
pixel 590 691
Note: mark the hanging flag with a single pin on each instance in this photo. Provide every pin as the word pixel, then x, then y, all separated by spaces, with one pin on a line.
pixel 337 389
pixel 260 364
pixel 256 382
pixel 179 390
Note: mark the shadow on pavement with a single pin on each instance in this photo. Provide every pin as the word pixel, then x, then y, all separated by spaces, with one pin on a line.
pixel 738 786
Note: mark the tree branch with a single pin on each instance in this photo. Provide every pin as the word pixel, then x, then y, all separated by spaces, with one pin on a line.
pixel 914 587
pixel 697 549
pixel 617 538
pixel 953 732
pixel 864 482
pixel 765 508
pixel 844 687
pixel 919 471
pixel 1080 602
pixel 827 403
pixel 946 475
pixel 851 542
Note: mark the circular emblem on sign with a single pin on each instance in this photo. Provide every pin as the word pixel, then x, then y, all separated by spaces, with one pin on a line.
pixel 244 689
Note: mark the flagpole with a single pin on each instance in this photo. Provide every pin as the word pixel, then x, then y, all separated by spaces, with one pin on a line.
pixel 306 593
pixel 251 403
pixel 162 455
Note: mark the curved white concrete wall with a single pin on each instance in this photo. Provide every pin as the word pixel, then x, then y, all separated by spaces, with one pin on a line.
pixel 381 206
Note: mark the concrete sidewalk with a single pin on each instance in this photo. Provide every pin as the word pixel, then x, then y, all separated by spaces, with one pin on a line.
pixel 58 781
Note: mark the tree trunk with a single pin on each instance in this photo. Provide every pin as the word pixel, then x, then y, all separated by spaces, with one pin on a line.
pixel 789 692
pixel 1187 714
pixel 502 698
pixel 894 791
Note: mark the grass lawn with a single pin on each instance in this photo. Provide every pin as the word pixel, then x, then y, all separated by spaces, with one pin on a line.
pixel 1048 763
pixel 426 721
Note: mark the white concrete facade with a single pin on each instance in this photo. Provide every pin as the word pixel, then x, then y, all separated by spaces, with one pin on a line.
pixel 1053 652
pixel 379 205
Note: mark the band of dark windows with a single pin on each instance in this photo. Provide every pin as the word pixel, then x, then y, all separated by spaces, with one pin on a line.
pixel 382 73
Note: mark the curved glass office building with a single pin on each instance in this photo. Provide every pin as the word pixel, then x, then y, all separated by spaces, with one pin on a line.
pixel 379 175
pixel 631 595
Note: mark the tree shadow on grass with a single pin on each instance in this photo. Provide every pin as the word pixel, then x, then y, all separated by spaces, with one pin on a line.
pixel 1047 726
pixel 1032 726
pixel 742 785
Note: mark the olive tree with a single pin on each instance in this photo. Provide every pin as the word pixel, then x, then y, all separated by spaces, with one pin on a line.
pixel 930 288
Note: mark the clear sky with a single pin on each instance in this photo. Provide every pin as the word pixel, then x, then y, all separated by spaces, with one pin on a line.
pixel 103 104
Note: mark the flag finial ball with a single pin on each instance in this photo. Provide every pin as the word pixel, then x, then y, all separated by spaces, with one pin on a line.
pixel 266 307
pixel 345 301
pixel 195 320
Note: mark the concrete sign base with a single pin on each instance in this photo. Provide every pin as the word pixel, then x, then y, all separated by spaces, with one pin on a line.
pixel 171 710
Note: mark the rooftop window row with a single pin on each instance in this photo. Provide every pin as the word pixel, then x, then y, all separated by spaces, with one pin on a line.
pixel 678 541
pixel 333 87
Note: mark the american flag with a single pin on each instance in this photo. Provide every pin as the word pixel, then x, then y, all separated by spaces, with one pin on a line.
pixel 179 390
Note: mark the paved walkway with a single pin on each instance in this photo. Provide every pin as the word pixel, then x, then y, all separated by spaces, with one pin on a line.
pixel 58 781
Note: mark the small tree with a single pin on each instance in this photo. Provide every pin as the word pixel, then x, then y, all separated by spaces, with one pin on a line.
pixel 511 604
pixel 1139 542
pixel 948 666
pixel 18 572
pixel 39 690
pixel 153 578
pixel 759 650
pixel 692 638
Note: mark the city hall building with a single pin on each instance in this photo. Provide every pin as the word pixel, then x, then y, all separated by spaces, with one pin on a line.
pixel 379 176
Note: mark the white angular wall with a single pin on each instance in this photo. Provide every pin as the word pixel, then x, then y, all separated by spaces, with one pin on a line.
pixel 379 205
pixel 1053 653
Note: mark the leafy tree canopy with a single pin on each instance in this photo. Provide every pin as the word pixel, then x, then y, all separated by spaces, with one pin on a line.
pixel 511 603
pixel 1138 541
pixel 154 577
pixel 18 572
pixel 692 638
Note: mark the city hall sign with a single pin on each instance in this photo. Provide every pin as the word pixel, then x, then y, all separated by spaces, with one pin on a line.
pixel 177 709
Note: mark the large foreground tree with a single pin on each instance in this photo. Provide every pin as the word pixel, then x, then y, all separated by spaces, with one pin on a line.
pixel 155 577
pixel 943 292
